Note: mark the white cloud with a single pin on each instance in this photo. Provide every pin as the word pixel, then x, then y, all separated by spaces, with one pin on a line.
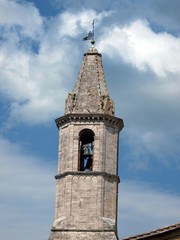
pixel 143 208
pixel 35 77
pixel 24 15
pixel 33 84
pixel 138 45
pixel 72 24
pixel 32 80
pixel 148 146
pixel 27 190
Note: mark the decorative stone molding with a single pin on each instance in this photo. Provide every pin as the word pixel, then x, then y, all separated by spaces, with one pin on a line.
pixel 113 177
pixel 111 120
pixel 80 230
pixel 93 53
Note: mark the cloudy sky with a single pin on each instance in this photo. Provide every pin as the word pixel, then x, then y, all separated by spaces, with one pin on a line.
pixel 41 50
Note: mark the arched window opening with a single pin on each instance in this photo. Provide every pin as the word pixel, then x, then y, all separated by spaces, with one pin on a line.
pixel 86 139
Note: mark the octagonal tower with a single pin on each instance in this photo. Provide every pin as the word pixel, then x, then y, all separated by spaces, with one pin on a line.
pixel 87 178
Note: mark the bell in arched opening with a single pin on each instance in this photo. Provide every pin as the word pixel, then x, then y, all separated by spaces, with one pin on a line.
pixel 86 139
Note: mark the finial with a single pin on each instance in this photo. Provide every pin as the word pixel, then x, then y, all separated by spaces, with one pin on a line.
pixel 92 43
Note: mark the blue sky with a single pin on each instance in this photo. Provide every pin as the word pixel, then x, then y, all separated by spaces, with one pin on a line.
pixel 41 50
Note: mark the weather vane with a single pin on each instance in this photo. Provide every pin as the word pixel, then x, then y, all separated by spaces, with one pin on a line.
pixel 90 35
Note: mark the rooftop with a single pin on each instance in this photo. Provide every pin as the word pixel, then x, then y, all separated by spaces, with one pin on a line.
pixel 155 232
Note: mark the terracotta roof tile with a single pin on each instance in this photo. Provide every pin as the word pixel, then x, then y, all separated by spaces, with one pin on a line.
pixel 153 233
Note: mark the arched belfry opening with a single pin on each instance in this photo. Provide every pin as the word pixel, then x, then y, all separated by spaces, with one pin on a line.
pixel 86 151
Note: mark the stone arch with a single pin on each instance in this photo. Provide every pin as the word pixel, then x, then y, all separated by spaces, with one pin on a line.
pixel 86 150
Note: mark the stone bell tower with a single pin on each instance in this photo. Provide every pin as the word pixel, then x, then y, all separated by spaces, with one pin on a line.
pixel 87 179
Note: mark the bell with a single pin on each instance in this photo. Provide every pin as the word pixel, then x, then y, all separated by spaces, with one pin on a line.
pixel 86 152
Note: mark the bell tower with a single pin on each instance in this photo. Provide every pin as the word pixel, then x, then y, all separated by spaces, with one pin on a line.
pixel 87 178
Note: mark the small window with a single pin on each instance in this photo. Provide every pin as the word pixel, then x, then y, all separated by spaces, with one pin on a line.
pixel 86 139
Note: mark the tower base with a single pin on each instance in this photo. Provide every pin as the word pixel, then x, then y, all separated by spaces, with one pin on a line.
pixel 82 235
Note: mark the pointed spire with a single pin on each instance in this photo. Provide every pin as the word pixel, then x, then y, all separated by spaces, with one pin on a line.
pixel 90 93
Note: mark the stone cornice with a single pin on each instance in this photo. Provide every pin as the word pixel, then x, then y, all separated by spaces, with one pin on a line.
pixel 90 117
pixel 93 53
pixel 89 174
pixel 81 230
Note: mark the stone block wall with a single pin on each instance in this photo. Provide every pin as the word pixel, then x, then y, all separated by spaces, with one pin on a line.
pixel 105 146
pixel 85 202
pixel 78 235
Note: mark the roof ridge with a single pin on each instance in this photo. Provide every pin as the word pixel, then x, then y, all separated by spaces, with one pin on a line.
pixel 154 232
